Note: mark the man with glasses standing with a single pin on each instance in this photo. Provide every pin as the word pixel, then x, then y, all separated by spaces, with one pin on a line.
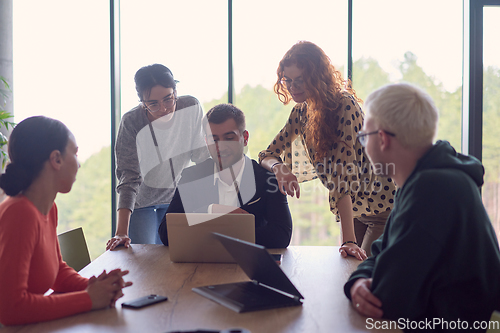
pixel 437 265
pixel 156 141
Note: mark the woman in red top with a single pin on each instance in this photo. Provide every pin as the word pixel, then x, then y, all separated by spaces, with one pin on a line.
pixel 43 154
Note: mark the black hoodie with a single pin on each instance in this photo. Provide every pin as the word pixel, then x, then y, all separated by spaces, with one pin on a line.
pixel 438 260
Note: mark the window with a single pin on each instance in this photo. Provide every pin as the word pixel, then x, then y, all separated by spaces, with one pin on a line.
pixel 491 114
pixel 397 41
pixel 61 70
pixel 189 37
pixel 262 33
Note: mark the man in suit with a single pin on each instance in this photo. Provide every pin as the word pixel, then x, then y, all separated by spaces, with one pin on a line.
pixel 230 182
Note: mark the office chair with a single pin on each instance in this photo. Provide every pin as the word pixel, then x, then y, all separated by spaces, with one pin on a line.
pixel 74 248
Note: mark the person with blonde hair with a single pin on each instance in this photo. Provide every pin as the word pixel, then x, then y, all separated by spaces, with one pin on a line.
pixel 404 106
pixel 43 155
pixel 437 264
pixel 319 141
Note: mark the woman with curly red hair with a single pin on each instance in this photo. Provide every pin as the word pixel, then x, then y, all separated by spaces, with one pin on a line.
pixel 319 141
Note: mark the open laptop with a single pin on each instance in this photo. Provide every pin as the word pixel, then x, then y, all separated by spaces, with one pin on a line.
pixel 270 287
pixel 190 236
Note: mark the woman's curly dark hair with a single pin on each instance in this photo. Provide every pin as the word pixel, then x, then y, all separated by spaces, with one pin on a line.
pixel 324 85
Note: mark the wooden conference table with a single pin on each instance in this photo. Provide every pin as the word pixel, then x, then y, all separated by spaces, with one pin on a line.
pixel 318 272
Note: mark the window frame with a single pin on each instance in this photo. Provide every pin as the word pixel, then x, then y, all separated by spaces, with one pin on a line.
pixel 472 78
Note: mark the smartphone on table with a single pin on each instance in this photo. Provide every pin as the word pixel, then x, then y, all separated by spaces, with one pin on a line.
pixel 144 301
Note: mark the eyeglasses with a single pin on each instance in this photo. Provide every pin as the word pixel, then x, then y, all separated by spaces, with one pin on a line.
pixel 297 83
pixel 362 136
pixel 167 102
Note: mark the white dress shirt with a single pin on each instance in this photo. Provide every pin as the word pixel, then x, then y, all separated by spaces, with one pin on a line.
pixel 228 194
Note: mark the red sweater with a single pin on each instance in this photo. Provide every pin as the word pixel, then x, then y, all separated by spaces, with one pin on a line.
pixel 31 263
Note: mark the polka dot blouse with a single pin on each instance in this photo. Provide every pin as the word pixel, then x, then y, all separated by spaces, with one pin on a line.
pixel 345 171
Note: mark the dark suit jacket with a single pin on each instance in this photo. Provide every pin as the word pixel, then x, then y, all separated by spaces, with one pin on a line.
pixel 259 193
